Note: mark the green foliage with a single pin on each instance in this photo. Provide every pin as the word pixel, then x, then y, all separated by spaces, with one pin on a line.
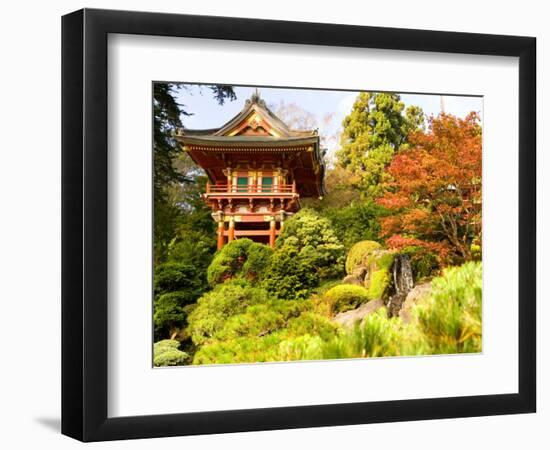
pixel 374 130
pixel 173 276
pixel 345 297
pixel 261 319
pixel 169 313
pixel 170 179
pixel 359 253
pixel 215 308
pixel 194 248
pixel 176 285
pixel 356 222
pixel 379 264
pixel 289 275
pixel 260 345
pixel 451 317
pixel 277 330
pixel 316 243
pixel 242 258
pixel 167 353
pixel 424 263
pixel 377 336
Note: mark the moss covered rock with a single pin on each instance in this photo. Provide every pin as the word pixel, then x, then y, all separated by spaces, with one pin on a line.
pixel 379 264
pixel 345 297
pixel 359 253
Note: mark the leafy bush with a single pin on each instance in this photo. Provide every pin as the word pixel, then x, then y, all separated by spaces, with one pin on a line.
pixel 356 222
pixel 451 317
pixel 316 243
pixel 173 276
pixel 242 258
pixel 169 314
pixel 424 263
pixel 215 308
pixel 194 248
pixel 359 253
pixel 167 353
pixel 264 346
pixel 376 336
pixel 345 297
pixel 261 319
pixel 289 276
pixel 176 285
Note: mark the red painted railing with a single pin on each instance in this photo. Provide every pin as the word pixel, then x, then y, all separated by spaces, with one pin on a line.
pixel 250 188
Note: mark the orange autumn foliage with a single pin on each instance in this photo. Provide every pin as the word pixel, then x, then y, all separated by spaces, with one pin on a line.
pixel 435 193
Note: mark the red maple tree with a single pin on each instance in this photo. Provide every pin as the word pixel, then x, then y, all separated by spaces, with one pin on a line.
pixel 435 193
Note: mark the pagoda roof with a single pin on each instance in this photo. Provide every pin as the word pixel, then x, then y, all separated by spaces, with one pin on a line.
pixel 248 141
pixel 255 114
pixel 257 132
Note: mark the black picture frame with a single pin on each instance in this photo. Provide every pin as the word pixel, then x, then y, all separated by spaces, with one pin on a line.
pixel 84 224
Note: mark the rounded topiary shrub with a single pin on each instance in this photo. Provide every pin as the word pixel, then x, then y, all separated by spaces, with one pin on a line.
pixel 345 297
pixel 242 258
pixel 358 253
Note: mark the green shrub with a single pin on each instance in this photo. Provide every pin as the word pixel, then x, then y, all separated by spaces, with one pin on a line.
pixel 176 285
pixel 290 276
pixel 451 317
pixel 194 248
pixel 215 308
pixel 242 258
pixel 168 313
pixel 173 276
pixel 167 353
pixel 376 336
pixel 260 344
pixel 356 222
pixel 316 243
pixel 359 253
pixel 424 263
pixel 345 297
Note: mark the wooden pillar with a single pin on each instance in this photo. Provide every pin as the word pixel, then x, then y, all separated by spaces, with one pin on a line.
pixel 231 234
pixel 221 228
pixel 272 225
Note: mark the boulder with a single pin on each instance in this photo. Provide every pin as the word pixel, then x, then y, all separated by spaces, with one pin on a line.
pixel 358 254
pixel 378 277
pixel 352 279
pixel 357 277
pixel 349 318
pixel 416 294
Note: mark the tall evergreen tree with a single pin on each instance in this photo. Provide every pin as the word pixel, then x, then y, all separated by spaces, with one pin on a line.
pixel 169 172
pixel 373 132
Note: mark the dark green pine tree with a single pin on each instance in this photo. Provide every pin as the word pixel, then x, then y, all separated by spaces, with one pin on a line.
pixel 168 175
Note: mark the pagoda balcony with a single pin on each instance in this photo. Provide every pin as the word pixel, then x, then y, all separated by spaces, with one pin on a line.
pixel 250 191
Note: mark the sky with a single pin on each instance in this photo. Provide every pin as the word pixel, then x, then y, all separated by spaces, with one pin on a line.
pixel 328 107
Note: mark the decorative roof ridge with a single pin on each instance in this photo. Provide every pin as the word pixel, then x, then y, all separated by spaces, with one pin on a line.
pixel 253 104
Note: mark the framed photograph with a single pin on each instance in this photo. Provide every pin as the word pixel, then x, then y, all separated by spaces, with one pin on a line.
pixel 273 224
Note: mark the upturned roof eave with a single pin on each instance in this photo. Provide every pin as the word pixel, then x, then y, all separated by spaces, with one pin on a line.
pixel 247 141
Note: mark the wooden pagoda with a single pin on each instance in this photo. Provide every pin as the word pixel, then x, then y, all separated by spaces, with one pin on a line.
pixel 258 169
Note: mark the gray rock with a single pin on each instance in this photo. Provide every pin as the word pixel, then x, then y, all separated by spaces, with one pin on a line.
pixel 349 318
pixel 416 294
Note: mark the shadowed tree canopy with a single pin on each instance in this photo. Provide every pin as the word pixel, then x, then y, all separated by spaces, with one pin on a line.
pixel 173 171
